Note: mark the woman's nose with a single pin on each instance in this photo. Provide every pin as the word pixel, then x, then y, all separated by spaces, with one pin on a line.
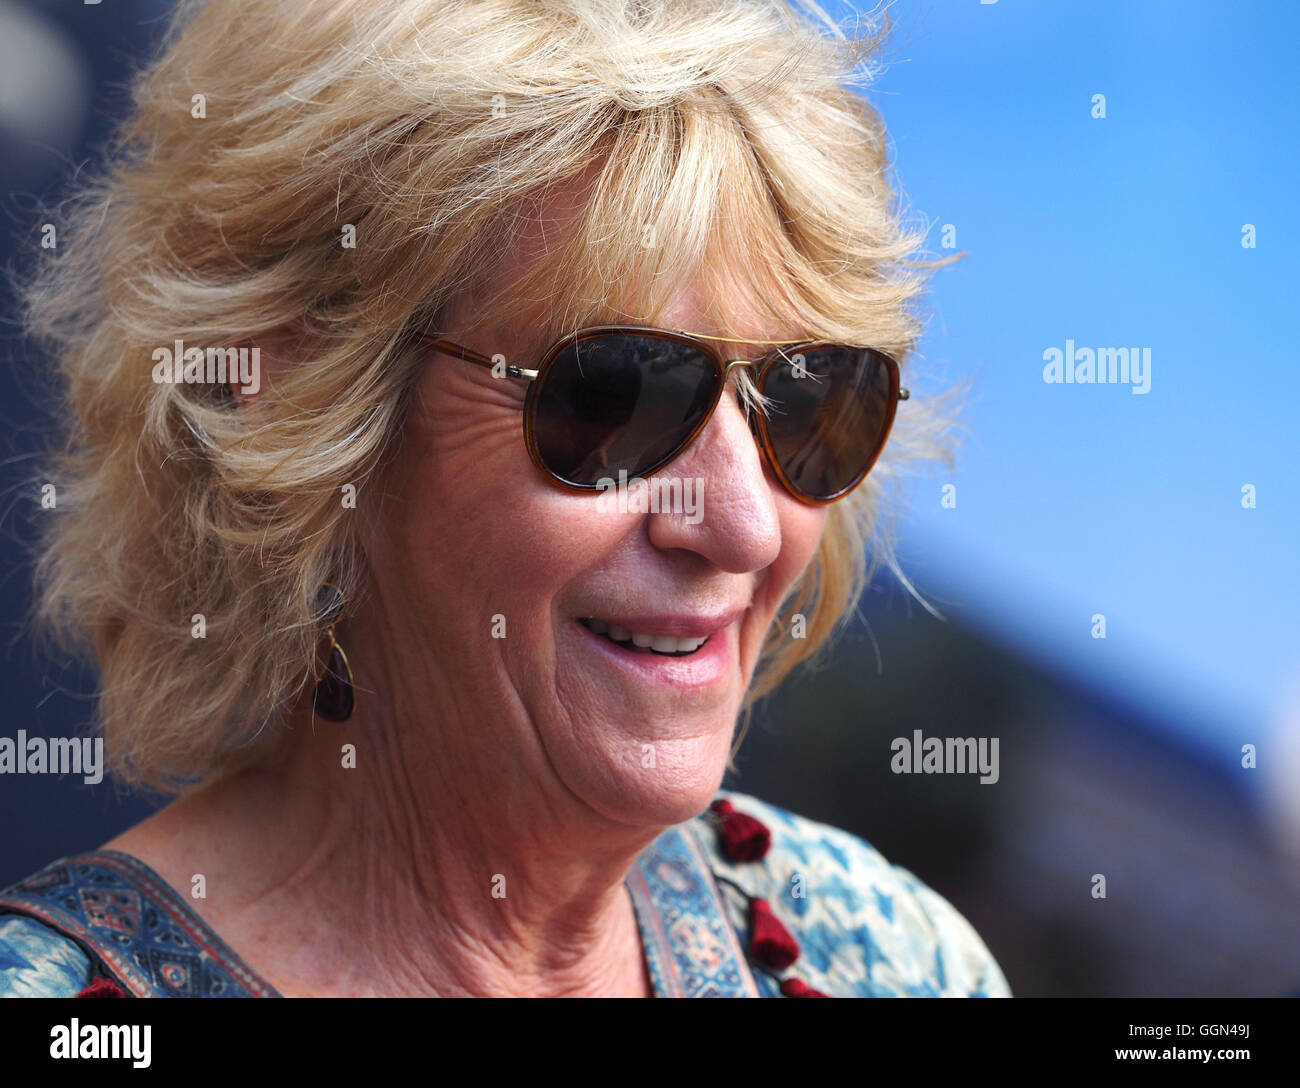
pixel 735 525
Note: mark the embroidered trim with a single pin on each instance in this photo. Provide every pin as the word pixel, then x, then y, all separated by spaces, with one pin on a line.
pixel 143 934
pixel 690 946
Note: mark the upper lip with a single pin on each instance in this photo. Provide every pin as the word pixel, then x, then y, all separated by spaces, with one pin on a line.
pixel 676 624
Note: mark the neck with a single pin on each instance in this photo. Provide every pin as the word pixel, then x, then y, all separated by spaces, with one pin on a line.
pixel 433 866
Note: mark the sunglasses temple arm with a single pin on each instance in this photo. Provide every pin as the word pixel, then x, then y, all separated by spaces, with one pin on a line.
pixel 448 348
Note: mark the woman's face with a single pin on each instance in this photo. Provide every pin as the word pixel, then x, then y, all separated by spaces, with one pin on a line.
pixel 507 572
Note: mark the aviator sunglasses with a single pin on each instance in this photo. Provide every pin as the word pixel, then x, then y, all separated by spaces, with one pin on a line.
pixel 614 398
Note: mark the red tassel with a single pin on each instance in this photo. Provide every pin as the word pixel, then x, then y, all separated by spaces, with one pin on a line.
pixel 743 837
pixel 793 987
pixel 102 987
pixel 769 941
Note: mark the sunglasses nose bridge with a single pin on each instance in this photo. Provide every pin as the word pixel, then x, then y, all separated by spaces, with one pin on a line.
pixel 726 367
pixel 744 398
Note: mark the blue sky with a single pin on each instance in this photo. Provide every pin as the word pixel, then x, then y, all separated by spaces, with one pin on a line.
pixel 1122 231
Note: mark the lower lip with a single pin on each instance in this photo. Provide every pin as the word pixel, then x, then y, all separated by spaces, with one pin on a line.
pixel 709 665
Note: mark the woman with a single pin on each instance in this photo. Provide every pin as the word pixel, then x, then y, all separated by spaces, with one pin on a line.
pixel 365 606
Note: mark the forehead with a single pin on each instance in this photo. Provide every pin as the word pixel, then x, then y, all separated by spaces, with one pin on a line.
pixel 715 299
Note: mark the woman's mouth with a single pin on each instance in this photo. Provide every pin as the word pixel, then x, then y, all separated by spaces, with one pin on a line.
pixel 680 651
pixel 664 645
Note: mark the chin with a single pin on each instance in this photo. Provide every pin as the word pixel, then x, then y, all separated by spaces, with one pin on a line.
pixel 682 782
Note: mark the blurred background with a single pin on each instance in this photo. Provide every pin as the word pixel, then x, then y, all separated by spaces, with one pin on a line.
pixel 1161 217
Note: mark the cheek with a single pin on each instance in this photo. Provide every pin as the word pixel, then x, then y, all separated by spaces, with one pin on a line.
pixel 801 532
pixel 482 533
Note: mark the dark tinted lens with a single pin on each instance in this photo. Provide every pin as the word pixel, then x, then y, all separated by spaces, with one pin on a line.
pixel 619 401
pixel 833 407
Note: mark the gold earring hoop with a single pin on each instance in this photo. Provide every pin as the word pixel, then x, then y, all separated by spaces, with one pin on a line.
pixel 335 697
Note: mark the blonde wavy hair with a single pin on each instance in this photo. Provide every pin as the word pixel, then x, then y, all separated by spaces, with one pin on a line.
pixel 730 138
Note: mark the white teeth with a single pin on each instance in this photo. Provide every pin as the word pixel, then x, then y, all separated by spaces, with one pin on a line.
pixel 660 644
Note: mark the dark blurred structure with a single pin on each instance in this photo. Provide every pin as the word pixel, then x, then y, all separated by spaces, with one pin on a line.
pixel 1198 902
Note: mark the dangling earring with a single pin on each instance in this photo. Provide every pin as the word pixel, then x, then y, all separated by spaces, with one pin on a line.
pixel 334 698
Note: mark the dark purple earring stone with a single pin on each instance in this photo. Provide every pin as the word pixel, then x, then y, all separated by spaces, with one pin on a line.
pixel 334 697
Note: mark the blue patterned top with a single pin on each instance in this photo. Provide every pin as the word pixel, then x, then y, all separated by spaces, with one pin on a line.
pixel 864 927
